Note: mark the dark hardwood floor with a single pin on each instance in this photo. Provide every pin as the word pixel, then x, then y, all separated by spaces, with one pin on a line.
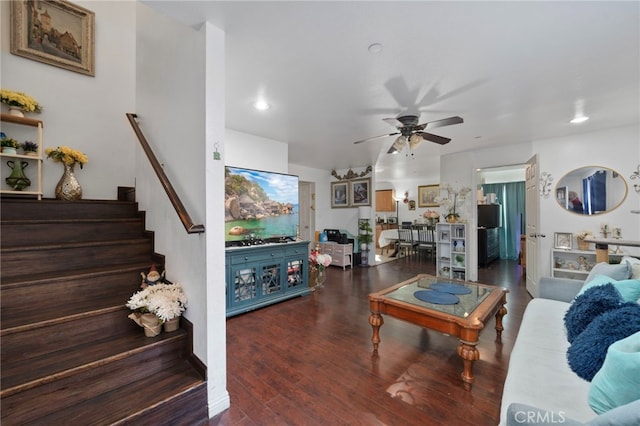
pixel 308 361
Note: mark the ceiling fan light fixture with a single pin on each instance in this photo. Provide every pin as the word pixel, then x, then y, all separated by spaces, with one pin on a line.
pixel 415 140
pixel 399 143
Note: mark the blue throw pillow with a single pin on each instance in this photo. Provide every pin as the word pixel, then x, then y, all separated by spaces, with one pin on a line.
pixel 618 381
pixel 629 289
pixel 593 302
pixel 588 351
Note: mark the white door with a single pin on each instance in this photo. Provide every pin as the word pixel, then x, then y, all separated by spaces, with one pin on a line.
pixel 532 184
pixel 306 191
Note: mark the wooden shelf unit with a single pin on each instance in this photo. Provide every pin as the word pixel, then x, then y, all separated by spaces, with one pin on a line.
pixel 37 160
pixel 567 263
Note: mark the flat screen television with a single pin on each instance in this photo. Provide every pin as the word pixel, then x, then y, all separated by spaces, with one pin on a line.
pixel 489 215
pixel 260 204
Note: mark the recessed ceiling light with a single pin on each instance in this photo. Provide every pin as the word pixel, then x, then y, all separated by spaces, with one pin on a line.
pixel 375 48
pixel 579 116
pixel 579 119
pixel 261 105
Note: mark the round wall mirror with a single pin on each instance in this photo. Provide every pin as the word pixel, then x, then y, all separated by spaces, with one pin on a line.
pixel 591 190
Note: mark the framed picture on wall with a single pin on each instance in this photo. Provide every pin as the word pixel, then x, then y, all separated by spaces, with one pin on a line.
pixel 563 240
pixel 55 32
pixel 427 195
pixel 339 194
pixel 360 192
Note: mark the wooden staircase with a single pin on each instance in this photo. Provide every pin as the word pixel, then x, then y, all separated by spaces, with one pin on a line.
pixel 69 354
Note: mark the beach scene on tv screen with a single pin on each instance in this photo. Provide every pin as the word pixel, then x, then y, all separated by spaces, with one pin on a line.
pixel 260 204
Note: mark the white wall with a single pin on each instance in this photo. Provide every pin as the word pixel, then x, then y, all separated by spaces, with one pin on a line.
pixel 182 139
pixel 216 283
pixel 83 112
pixel 616 148
pixel 255 152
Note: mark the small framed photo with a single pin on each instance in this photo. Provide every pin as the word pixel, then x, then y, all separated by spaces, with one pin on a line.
pixel 427 195
pixel 563 240
pixel 562 195
pixel 360 192
pixel 339 194
pixel 55 32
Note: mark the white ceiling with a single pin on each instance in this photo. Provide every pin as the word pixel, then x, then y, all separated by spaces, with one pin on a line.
pixel 513 70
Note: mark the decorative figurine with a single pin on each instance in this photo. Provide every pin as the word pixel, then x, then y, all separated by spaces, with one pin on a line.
pixel 153 277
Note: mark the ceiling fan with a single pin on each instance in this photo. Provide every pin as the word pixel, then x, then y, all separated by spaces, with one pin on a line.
pixel 412 134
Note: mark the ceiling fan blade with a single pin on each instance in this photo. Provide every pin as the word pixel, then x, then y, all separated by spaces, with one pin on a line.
pixel 376 137
pixel 393 121
pixel 434 138
pixel 440 123
pixel 398 144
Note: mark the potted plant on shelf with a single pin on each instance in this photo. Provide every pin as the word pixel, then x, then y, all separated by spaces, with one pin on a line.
pixel 365 236
pixel 19 102
pixel 30 148
pixel 455 198
pixel 582 244
pixel 9 145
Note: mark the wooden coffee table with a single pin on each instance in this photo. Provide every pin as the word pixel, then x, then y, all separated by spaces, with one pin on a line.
pixel 464 319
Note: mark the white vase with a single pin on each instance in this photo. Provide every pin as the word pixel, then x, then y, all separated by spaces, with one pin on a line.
pixel 15 111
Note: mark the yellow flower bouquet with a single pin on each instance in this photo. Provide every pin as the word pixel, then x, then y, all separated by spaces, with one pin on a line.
pixel 66 155
pixel 20 100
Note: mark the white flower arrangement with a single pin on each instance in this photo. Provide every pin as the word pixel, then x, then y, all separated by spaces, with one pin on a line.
pixel 455 198
pixel 166 301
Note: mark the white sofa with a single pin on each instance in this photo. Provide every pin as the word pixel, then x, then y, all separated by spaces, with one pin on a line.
pixel 540 387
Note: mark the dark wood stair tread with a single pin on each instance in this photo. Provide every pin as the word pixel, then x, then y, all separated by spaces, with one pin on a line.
pixel 86 273
pixel 46 367
pixel 34 318
pixel 113 406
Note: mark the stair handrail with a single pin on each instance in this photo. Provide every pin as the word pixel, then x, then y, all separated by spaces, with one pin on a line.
pixel 188 224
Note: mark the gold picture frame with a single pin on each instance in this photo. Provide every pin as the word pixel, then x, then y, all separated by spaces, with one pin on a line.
pixel 55 32
pixel 427 195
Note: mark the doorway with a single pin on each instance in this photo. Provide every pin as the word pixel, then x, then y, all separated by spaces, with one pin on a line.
pixel 307 212
pixel 501 213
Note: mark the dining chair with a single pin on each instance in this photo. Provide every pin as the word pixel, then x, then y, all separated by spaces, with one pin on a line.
pixel 426 242
pixel 405 240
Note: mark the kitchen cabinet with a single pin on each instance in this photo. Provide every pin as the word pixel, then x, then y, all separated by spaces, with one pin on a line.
pixel 384 201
